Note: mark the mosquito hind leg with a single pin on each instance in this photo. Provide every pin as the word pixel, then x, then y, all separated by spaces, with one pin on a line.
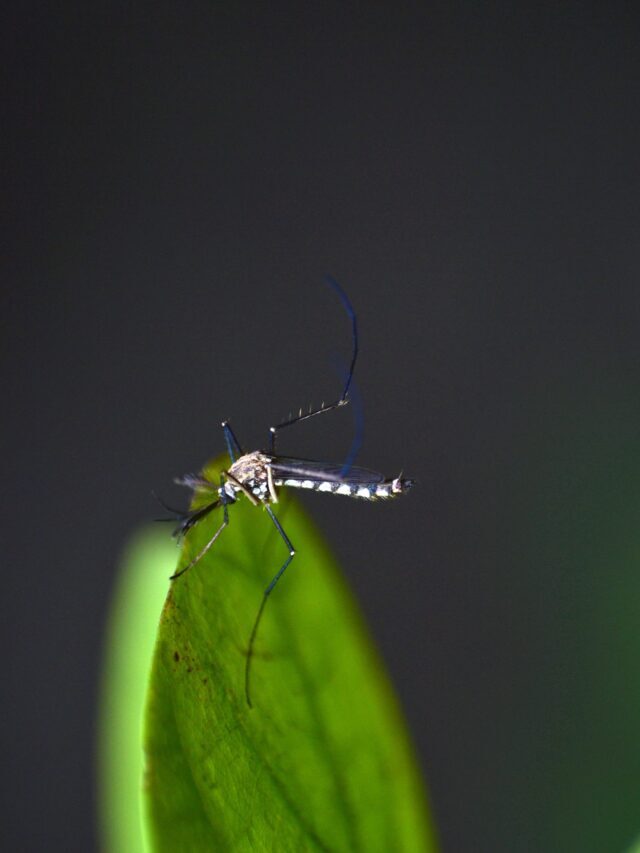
pixel 265 596
pixel 345 392
pixel 329 407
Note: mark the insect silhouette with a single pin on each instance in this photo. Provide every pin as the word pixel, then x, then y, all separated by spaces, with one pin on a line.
pixel 258 475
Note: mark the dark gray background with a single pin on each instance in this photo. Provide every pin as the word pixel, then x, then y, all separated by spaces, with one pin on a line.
pixel 178 179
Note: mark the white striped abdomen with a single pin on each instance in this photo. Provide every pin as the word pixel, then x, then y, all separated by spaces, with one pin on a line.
pixel 365 491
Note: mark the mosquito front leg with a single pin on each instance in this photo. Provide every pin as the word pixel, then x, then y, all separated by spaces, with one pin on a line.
pixel 225 522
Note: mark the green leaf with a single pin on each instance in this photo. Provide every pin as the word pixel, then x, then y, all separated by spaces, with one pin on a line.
pixel 322 761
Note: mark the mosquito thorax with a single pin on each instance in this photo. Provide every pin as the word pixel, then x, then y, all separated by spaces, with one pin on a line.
pixel 251 466
pixel 250 474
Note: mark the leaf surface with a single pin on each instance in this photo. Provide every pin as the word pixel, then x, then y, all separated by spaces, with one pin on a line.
pixel 322 761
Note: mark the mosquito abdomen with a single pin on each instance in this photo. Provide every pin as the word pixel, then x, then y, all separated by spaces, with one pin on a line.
pixel 365 491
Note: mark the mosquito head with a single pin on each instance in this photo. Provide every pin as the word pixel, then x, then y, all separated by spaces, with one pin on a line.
pixel 227 494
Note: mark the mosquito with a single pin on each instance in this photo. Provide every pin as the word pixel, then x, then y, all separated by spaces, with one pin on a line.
pixel 258 475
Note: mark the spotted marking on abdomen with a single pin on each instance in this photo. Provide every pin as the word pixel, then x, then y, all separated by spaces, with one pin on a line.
pixel 368 492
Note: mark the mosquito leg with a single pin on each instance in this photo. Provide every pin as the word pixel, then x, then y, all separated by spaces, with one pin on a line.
pixel 343 398
pixel 265 596
pixel 233 445
pixel 192 518
pixel 348 307
pixel 329 407
pixel 225 522
pixel 358 429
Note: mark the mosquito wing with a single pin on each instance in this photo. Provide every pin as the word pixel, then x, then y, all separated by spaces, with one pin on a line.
pixel 286 468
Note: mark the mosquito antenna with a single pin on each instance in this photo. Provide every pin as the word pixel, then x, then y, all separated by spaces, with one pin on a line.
pixel 348 307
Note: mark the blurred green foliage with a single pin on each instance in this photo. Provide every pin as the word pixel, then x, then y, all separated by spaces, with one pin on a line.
pixel 130 639
pixel 573 525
